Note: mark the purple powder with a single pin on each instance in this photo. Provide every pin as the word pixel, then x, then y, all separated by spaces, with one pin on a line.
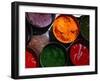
pixel 39 20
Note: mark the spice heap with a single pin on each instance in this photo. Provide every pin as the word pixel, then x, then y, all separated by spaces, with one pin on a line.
pixel 39 19
pixel 38 42
pixel 79 54
pixel 65 28
pixel 53 55
pixel 84 27
pixel 30 59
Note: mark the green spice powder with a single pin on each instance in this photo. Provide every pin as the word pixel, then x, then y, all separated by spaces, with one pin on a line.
pixel 52 56
pixel 85 27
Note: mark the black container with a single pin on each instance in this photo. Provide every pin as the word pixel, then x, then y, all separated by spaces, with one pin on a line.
pixel 54 39
pixel 80 40
pixel 56 45
pixel 39 30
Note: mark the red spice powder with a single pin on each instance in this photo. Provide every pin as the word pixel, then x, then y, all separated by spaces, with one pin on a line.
pixel 30 60
pixel 79 54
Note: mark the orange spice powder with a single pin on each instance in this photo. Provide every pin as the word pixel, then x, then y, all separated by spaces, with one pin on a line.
pixel 65 28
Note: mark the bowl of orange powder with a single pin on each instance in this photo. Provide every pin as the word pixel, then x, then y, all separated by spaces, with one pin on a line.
pixel 65 29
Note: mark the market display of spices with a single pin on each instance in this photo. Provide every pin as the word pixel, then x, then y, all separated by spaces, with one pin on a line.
pixel 65 29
